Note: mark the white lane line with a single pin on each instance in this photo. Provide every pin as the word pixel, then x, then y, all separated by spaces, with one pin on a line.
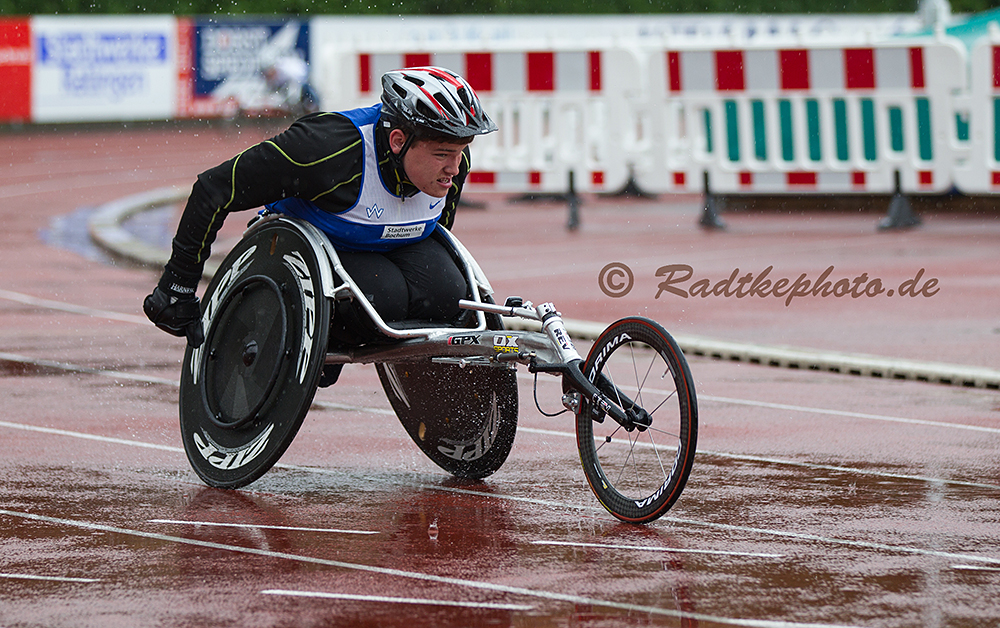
pixel 281 465
pixel 560 505
pixel 328 405
pixel 77 182
pixel 974 568
pixel 853 470
pixel 848 414
pixel 399 600
pixel 645 548
pixel 27 299
pixel 830 467
pixel 416 575
pixel 74 368
pixel 902 549
pixel 252 525
pixel 811 410
pixel 796 463
pixel 25 576
pixel 148 379
pixel 801 536
pixel 85 436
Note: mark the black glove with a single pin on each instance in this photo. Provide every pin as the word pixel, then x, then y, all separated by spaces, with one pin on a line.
pixel 174 308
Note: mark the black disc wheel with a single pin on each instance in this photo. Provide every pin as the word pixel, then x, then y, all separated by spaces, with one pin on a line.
pixel 637 471
pixel 247 351
pixel 245 392
pixel 463 419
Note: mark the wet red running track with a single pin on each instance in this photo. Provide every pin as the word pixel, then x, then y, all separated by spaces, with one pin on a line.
pixel 817 498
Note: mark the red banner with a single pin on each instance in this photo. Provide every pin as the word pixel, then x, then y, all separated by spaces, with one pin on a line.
pixel 15 69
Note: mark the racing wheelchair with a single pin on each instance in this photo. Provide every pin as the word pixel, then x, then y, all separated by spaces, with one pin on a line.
pixel 267 314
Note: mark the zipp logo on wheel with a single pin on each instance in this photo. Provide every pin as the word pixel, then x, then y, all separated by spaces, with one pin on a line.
pixel 300 270
pixel 475 449
pixel 221 458
pixel 235 271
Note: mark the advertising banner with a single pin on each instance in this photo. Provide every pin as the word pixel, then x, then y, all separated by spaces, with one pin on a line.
pixel 245 65
pixel 104 68
pixel 15 70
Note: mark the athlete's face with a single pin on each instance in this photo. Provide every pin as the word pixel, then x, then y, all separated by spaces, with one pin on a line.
pixel 429 165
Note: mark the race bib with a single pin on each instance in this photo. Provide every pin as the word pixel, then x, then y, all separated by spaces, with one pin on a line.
pixel 402 232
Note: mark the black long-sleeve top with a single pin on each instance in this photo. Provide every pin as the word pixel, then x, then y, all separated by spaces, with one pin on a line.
pixel 319 158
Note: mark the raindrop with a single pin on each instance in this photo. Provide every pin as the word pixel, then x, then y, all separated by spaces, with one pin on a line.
pixel 432 530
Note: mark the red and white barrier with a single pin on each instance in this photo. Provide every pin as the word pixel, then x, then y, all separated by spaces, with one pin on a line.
pixel 756 119
pixel 979 172
pixel 801 120
pixel 555 109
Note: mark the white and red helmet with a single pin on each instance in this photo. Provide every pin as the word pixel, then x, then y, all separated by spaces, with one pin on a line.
pixel 433 100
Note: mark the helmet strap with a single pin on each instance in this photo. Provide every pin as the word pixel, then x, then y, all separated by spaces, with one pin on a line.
pixel 397 158
pixel 410 138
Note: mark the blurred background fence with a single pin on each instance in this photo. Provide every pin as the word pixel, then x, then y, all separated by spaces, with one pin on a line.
pixel 833 104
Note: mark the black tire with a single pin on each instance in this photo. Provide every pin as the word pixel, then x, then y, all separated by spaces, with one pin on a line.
pixel 246 390
pixel 638 475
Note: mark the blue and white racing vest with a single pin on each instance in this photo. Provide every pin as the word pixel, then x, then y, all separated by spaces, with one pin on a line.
pixel 379 220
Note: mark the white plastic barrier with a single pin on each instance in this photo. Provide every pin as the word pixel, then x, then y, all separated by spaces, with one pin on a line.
pixel 555 109
pixel 980 171
pixel 801 120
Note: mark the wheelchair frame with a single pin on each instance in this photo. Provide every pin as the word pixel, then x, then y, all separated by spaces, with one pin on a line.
pixel 465 427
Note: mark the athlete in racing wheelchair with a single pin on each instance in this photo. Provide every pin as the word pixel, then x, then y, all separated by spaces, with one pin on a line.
pixel 376 182
pixel 352 261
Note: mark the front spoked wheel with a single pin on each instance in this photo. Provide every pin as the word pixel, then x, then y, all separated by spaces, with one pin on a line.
pixel 638 472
